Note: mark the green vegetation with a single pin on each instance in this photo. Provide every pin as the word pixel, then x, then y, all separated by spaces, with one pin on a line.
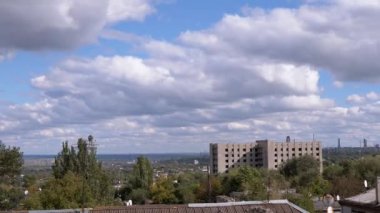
pixel 139 182
pixel 303 200
pixel 10 184
pixel 77 180
pixel 163 191
pixel 301 172
pixel 245 179
pixel 352 173
pixel 242 183
pixel 336 155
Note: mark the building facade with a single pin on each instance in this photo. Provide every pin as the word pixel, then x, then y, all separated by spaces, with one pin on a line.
pixel 260 154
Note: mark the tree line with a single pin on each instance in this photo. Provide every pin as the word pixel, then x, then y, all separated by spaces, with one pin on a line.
pixel 78 180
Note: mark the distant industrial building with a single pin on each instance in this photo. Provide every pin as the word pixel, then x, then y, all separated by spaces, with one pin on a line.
pixel 261 154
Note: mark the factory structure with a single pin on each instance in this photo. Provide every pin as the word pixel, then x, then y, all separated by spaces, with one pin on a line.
pixel 261 154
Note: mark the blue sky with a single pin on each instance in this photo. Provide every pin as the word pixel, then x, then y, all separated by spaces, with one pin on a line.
pixel 175 16
pixel 175 75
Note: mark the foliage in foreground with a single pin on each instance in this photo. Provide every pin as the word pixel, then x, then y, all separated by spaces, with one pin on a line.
pixel 78 181
pixel 10 170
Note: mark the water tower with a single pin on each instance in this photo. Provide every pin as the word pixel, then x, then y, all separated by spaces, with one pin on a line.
pixel 91 144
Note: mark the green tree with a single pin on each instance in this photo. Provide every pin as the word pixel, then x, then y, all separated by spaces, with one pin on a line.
pixel 65 192
pixel 29 180
pixel 332 171
pixel 142 174
pixel 248 180
pixel 276 183
pixel 33 201
pixel 303 200
pixel 367 168
pixel 320 186
pixel 138 195
pixel 65 161
pixel 346 186
pixel 213 184
pixel 301 171
pixel 163 191
pixel 139 182
pixel 186 187
pixel 11 162
pixel 92 185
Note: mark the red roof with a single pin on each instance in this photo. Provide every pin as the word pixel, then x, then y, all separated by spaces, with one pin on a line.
pixel 280 206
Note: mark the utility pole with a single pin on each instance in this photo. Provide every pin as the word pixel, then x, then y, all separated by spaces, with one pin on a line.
pixel 268 187
pixel 89 151
pixel 84 173
pixel 83 182
pixel 208 184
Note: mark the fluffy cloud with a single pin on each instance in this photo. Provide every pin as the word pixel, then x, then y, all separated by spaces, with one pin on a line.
pixel 162 96
pixel 58 25
pixel 210 85
pixel 339 36
pixel 149 87
pixel 363 99
pixel 119 10
pixel 356 99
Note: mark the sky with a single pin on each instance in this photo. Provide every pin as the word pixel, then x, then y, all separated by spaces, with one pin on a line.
pixel 158 76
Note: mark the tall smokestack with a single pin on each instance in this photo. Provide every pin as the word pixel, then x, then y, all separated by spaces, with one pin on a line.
pixel 338 143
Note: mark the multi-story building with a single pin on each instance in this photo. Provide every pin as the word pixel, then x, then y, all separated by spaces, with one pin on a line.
pixel 262 153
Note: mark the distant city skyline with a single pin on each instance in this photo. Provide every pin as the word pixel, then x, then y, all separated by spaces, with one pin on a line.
pixel 156 76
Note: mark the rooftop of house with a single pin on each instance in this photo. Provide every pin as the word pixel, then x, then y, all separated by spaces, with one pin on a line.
pixel 272 206
pixel 368 197
pixel 365 200
pixel 278 206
